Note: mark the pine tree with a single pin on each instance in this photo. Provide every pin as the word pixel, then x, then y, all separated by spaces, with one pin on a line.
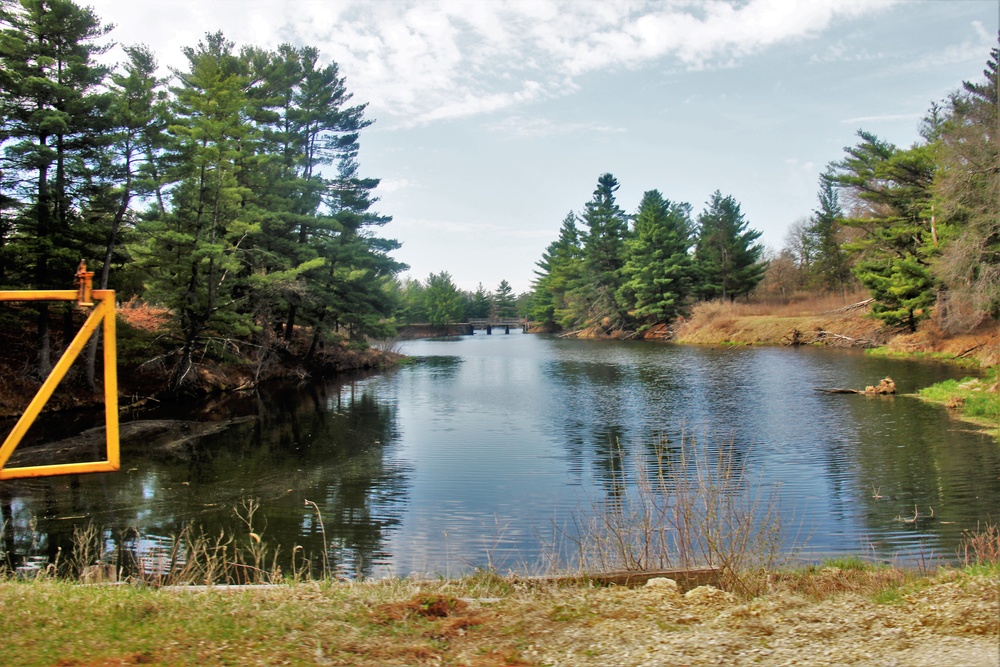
pixel 504 301
pixel 559 270
pixel 442 300
pixel 480 303
pixel 194 253
pixel 893 188
pixel 830 268
pixel 658 270
pixel 55 111
pixel 727 261
pixel 604 257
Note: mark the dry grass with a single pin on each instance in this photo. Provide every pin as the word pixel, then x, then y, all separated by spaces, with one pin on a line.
pixel 981 546
pixel 804 305
pixel 722 323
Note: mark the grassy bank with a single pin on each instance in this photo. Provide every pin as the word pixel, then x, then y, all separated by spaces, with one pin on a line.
pixel 832 320
pixel 847 611
pixel 974 400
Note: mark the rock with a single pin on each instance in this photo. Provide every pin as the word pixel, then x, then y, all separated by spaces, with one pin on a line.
pixel 709 594
pixel 663 584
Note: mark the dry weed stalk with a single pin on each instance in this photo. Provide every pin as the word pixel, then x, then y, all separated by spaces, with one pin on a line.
pixel 684 507
pixel 980 546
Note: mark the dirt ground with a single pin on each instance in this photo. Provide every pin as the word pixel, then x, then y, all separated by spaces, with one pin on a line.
pixel 951 623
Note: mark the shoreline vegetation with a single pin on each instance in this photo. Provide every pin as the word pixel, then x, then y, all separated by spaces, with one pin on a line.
pixel 842 611
pixel 832 321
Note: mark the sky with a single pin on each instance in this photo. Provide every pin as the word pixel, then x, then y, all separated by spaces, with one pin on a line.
pixel 495 118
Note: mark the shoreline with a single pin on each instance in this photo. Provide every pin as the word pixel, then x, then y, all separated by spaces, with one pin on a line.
pixel 841 613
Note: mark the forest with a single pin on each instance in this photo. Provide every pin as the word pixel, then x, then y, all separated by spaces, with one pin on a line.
pixel 229 195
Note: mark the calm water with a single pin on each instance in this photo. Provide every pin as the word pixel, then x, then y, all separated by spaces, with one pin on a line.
pixel 487 446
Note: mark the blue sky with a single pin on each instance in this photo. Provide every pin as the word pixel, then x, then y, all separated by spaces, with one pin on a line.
pixel 495 118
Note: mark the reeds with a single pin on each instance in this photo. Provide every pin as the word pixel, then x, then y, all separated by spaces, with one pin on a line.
pixel 683 506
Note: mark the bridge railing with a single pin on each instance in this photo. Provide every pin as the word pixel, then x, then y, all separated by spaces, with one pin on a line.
pixel 496 321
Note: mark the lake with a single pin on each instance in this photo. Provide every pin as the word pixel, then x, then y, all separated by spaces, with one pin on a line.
pixel 490 451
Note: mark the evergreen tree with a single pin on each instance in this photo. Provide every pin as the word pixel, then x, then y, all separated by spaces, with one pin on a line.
pixel 559 270
pixel 55 112
pixel 893 188
pixel 442 300
pixel 480 303
pixel 727 261
pixel 604 257
pixel 194 253
pixel 658 270
pixel 830 268
pixel 504 301
pixel 357 263
pixel 412 307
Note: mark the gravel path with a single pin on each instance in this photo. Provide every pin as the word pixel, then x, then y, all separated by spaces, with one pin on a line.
pixel 952 622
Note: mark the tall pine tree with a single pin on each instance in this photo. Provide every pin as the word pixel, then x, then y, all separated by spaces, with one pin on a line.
pixel 55 108
pixel 726 258
pixel 604 257
pixel 658 271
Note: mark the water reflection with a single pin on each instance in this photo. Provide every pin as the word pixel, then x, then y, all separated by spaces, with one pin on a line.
pixel 329 444
pixel 488 449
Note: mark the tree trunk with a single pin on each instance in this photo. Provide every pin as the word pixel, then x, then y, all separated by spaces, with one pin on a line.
pixel 44 345
pixel 91 368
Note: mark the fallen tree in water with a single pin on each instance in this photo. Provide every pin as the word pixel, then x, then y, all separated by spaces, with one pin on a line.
pixel 168 437
pixel 884 388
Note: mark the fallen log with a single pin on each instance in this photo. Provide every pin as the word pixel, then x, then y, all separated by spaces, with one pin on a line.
pixel 169 437
pixel 686 579
pixel 854 306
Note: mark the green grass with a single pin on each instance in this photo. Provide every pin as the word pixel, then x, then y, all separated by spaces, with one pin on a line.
pixel 975 399
pixel 851 563
pixel 963 362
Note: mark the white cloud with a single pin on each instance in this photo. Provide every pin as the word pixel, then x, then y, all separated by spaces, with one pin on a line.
pixel 387 185
pixel 975 48
pixel 883 118
pixel 429 61
pixel 535 128
pixel 422 61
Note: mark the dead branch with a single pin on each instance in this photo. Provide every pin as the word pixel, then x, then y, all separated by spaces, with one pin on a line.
pixel 838 391
pixel 854 306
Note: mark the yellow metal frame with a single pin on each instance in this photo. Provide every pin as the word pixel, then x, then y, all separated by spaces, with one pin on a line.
pixel 104 309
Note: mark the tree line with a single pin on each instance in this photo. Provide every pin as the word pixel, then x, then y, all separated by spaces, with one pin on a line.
pixel 917 227
pixel 438 301
pixel 616 272
pixel 229 192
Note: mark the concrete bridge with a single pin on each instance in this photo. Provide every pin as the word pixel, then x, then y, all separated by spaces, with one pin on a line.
pixel 491 323
pixel 469 328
